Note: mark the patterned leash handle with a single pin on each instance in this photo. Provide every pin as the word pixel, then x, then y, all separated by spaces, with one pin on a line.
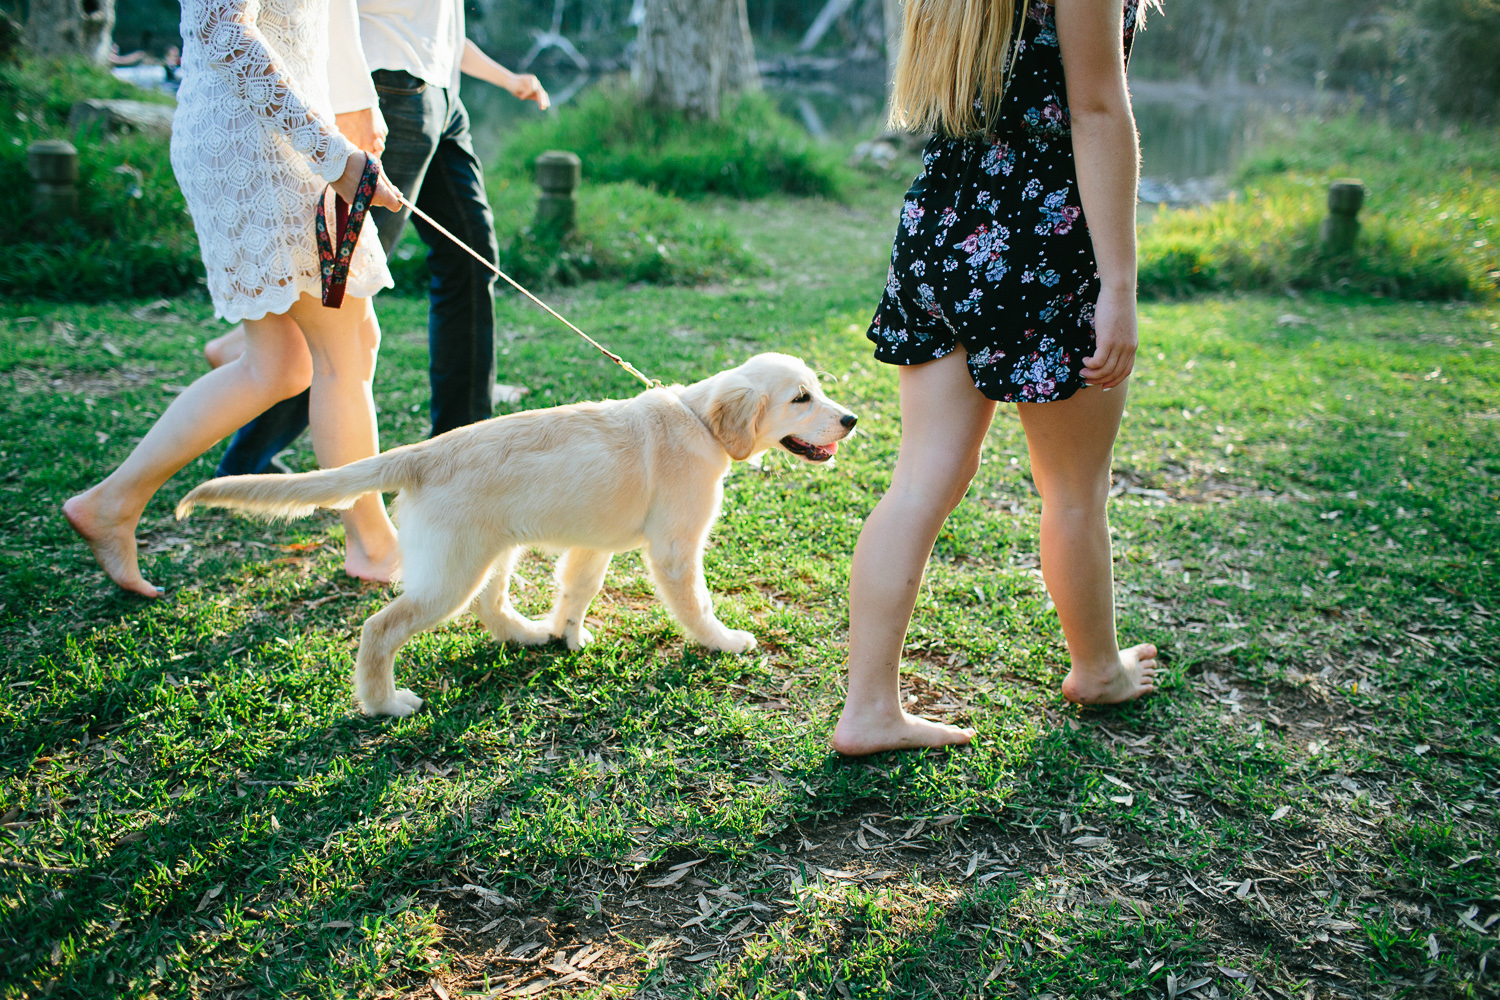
pixel 651 383
pixel 347 222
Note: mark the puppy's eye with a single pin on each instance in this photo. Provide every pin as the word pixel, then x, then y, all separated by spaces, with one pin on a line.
pixel 803 396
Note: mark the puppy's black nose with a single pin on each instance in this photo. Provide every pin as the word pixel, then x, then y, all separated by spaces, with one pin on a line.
pixel 849 420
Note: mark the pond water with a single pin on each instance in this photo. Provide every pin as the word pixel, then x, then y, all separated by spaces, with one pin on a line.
pixel 1181 139
pixel 1186 132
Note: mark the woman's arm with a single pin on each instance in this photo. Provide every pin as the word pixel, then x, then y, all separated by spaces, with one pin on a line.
pixel 523 85
pixel 349 85
pixel 237 52
pixel 356 106
pixel 1090 34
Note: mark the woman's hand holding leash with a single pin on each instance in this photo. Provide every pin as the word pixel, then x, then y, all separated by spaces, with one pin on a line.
pixel 386 195
pixel 336 242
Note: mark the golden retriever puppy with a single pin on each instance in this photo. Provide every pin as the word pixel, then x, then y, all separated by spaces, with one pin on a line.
pixel 591 479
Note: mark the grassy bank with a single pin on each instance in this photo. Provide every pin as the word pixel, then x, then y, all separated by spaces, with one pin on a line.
pixel 132 235
pixel 750 152
pixel 1304 521
pixel 624 232
pixel 1429 225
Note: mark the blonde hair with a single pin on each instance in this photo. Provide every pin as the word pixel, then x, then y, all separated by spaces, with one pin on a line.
pixel 954 54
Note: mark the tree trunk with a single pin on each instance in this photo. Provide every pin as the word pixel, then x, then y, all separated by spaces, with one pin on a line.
pixel 71 28
pixel 691 53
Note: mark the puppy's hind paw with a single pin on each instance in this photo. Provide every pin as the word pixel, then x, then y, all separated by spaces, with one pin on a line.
pixel 521 631
pixel 401 703
pixel 537 636
pixel 733 640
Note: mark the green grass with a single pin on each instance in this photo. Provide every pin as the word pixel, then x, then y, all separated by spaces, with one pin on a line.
pixel 624 232
pixel 750 152
pixel 1304 522
pixel 1428 229
pixel 131 234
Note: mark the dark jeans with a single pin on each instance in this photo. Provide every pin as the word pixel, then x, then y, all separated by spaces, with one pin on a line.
pixel 429 152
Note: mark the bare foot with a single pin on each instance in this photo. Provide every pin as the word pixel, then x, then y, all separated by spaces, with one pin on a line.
pixel 1133 678
pixel 112 540
pixel 362 566
pixel 858 734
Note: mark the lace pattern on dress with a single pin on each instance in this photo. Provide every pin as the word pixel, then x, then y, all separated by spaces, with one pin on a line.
pixel 254 146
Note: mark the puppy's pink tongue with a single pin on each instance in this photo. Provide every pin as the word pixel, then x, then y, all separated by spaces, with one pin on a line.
pixel 832 447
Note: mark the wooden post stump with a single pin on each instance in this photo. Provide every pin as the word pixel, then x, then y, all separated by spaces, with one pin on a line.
pixel 557 174
pixel 53 165
pixel 1341 228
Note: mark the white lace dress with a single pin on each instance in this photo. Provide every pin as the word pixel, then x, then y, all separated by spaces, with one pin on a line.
pixel 254 145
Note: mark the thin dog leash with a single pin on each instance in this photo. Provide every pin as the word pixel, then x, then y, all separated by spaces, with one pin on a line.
pixel 611 355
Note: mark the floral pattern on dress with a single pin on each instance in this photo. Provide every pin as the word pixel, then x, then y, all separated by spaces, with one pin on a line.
pixel 1048 118
pixel 969 304
pixel 1046 31
pixel 911 214
pixel 986 356
pixel 992 249
pixel 998 159
pixel 1058 216
pixel 984 247
pixel 1039 372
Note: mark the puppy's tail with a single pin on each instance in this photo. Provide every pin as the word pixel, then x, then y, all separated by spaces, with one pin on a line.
pixel 299 495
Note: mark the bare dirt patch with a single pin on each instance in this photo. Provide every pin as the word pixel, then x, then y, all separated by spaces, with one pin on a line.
pixel 93 382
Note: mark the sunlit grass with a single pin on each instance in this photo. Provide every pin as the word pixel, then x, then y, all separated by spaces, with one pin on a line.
pixel 1304 521
pixel 1428 228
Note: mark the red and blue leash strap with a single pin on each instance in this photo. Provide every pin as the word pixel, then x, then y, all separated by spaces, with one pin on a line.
pixel 347 219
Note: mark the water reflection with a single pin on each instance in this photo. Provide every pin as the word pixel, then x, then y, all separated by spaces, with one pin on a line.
pixel 1181 140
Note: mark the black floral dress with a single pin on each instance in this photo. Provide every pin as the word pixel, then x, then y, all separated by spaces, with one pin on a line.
pixel 992 250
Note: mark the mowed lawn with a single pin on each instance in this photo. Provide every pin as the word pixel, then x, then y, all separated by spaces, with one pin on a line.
pixel 1304 522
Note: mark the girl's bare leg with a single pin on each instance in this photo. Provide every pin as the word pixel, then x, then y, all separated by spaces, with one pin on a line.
pixel 1070 443
pixel 943 422
pixel 341 414
pixel 225 347
pixel 275 365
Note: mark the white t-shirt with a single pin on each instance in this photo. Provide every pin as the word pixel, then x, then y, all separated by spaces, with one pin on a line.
pixel 423 37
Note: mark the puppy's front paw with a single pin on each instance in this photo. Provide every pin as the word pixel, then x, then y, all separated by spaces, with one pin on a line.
pixel 733 641
pixel 401 703
pixel 578 637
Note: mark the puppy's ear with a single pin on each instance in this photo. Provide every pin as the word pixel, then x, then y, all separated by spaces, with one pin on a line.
pixel 734 416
